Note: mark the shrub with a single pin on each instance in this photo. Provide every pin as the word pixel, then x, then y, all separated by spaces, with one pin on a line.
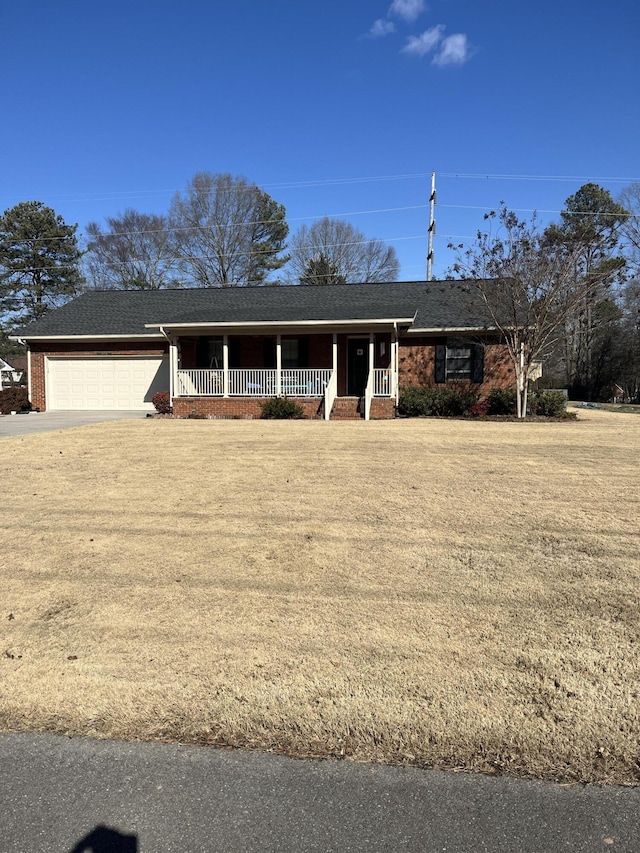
pixel 162 402
pixel 413 401
pixel 548 404
pixel 436 402
pixel 281 408
pixel 14 400
pixel 479 409
pixel 502 401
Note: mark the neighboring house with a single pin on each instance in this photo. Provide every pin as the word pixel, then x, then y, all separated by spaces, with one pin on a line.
pixel 11 374
pixel 339 350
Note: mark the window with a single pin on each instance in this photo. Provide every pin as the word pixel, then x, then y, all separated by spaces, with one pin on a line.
pixel 294 353
pixel 290 350
pixel 209 352
pixel 459 361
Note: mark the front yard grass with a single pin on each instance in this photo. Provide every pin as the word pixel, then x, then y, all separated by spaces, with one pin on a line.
pixel 453 594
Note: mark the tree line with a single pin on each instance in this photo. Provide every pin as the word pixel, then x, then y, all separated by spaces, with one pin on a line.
pixel 567 294
pixel 222 231
pixel 570 292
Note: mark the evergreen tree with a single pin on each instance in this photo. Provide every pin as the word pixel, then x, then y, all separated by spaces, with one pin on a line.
pixel 39 259
pixel 320 270
pixel 590 233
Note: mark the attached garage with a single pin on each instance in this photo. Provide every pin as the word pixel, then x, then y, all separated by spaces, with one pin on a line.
pixel 115 383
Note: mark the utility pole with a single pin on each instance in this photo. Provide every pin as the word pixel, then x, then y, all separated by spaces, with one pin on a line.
pixel 432 226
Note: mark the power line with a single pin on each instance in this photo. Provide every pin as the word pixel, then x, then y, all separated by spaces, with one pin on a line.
pixel 572 178
pixel 625 215
pixel 354 180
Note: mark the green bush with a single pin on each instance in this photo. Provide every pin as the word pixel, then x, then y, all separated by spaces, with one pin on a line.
pixel 281 408
pixel 14 400
pixel 548 404
pixel 413 401
pixel 436 402
pixel 502 401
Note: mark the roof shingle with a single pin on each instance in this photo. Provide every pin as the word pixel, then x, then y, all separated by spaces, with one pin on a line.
pixel 432 305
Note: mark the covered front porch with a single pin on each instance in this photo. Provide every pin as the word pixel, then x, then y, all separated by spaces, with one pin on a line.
pixel 329 373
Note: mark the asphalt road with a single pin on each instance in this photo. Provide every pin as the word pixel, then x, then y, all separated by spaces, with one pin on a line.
pixel 62 795
pixel 47 421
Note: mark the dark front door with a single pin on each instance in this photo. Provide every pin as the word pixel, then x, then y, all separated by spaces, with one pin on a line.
pixel 357 366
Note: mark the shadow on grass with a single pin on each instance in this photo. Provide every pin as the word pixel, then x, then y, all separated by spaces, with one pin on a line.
pixel 105 840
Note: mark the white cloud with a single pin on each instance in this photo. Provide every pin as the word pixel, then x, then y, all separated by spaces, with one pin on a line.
pixel 425 43
pixel 454 50
pixel 381 28
pixel 408 10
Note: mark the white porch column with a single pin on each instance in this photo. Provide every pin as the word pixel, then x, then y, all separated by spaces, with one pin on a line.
pixel 173 368
pixel 394 364
pixel 225 365
pixel 335 352
pixel 372 351
pixel 278 364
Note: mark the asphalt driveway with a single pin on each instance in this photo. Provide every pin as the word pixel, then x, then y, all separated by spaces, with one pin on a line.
pixel 74 795
pixel 47 421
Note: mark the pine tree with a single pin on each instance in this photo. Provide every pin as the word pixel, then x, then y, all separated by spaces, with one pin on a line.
pixel 39 258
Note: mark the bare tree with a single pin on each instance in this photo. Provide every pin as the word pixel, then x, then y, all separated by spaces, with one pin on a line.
pixel 135 252
pixel 345 250
pixel 630 227
pixel 227 231
pixel 527 285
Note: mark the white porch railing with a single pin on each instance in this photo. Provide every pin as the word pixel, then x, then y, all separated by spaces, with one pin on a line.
pixel 200 383
pixel 383 382
pixel 304 383
pixel 254 382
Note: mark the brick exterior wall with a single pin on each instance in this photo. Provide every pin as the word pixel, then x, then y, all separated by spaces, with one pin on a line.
pixel 416 359
pixel 245 408
pixel 40 351
pixel 416 365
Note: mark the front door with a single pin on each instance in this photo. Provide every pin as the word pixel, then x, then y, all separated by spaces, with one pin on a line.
pixel 357 366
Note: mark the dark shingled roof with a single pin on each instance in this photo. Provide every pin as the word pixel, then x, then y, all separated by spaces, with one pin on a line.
pixel 433 305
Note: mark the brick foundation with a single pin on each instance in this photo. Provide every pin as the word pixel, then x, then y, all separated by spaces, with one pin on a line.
pixel 382 408
pixel 246 408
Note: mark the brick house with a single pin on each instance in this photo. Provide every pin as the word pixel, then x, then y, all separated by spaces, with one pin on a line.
pixel 340 351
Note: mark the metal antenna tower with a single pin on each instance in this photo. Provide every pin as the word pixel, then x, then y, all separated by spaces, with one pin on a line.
pixel 432 226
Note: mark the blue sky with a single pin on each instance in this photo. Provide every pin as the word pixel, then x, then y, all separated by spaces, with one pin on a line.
pixel 333 108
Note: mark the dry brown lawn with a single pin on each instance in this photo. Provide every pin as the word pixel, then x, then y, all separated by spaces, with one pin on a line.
pixel 448 593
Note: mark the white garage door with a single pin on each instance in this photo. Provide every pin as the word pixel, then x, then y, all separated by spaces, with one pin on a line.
pixel 105 383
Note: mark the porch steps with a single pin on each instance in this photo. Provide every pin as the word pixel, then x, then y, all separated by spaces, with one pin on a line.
pixel 347 409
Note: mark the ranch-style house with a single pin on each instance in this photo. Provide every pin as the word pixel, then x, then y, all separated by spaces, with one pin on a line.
pixel 341 351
